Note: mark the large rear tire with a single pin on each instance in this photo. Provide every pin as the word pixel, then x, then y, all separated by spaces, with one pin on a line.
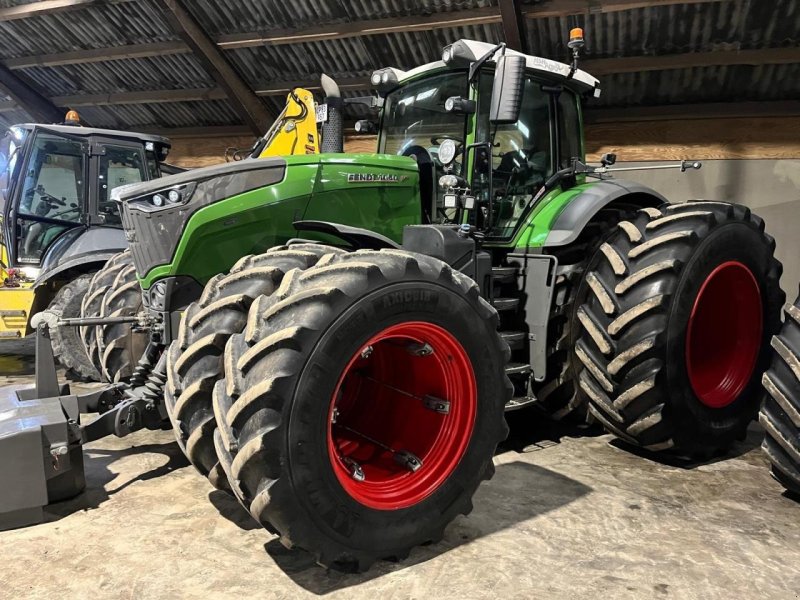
pixel 559 395
pixel 194 360
pixel 780 414
pixel 347 368
pixel 676 330
pixel 67 343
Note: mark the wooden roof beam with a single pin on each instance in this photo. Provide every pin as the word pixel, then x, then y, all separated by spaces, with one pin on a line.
pixel 29 99
pixel 249 107
pixel 716 58
pixel 33 9
pixel 513 25
pixel 442 20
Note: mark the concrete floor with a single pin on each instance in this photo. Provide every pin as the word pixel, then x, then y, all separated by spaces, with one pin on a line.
pixel 564 517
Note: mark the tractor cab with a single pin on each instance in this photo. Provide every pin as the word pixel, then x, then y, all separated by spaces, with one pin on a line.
pixel 487 126
pixel 55 186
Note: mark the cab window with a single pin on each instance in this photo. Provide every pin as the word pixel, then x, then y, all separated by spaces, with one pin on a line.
pixel 119 165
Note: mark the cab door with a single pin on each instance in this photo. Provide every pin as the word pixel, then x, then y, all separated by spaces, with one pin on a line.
pixel 50 196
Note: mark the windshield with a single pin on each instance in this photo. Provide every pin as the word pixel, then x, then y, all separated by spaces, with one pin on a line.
pixel 415 114
pixel 415 123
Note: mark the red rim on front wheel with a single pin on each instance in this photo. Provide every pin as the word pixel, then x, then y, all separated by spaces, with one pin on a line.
pixel 723 336
pixel 402 415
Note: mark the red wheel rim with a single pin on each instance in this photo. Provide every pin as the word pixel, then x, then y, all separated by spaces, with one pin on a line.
pixel 389 397
pixel 723 337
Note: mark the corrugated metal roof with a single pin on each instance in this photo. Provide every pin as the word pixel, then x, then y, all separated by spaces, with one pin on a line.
pixel 726 25
pixel 176 71
pixel 220 17
pixel 101 26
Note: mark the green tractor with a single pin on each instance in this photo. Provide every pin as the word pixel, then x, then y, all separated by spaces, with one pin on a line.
pixel 335 338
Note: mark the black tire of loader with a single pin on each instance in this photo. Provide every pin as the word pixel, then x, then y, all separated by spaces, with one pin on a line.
pixel 67 344
pixel 272 411
pixel 93 300
pixel 194 360
pixel 634 325
pixel 119 346
pixel 780 413
pixel 560 395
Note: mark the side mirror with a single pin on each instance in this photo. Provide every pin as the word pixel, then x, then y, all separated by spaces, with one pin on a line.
pixel 507 88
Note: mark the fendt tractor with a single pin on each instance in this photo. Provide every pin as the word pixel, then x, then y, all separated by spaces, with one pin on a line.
pixel 59 226
pixel 335 337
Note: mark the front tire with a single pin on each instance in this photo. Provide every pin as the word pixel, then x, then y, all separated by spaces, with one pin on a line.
pixel 780 414
pixel 194 360
pixel 333 422
pixel 684 300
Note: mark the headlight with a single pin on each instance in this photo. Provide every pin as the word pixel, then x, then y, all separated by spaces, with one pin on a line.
pixel 447 152
pixel 169 197
pixel 448 181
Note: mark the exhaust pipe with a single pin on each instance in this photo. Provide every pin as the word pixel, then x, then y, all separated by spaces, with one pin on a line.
pixel 333 128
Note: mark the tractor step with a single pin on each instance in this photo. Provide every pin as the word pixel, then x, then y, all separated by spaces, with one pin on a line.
pixel 517 369
pixel 515 339
pixel 505 303
pixel 519 402
pixel 504 273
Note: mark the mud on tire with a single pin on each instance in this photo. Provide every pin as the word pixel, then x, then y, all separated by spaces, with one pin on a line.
pixel 288 411
pixel 92 301
pixel 681 298
pixel 68 346
pixel 194 360
pixel 119 347
pixel 780 413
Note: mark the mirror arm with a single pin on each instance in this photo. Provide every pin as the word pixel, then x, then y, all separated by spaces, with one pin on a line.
pixel 475 67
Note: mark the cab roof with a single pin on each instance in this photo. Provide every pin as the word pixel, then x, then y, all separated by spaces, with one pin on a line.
pixel 580 81
pixel 81 131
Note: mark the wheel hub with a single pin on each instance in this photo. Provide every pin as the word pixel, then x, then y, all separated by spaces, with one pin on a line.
pixel 723 336
pixel 402 415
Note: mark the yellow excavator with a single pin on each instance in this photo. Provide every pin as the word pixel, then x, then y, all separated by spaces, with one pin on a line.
pixel 293 132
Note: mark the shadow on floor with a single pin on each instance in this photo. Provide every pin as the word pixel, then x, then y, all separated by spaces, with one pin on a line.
pixel 752 440
pixel 499 505
pixel 99 475
pixel 229 508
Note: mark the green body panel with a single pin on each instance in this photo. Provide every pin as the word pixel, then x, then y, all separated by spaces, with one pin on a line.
pixel 314 188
